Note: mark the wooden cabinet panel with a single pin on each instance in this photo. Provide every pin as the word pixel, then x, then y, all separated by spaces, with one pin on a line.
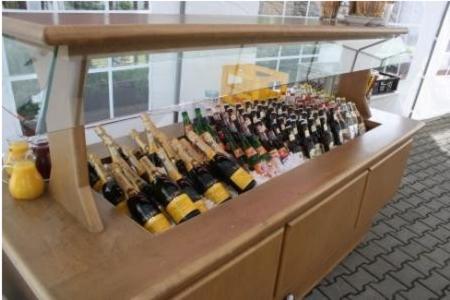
pixel 317 240
pixel 382 183
pixel 251 275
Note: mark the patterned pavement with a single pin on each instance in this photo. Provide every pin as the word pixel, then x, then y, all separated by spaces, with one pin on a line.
pixel 406 254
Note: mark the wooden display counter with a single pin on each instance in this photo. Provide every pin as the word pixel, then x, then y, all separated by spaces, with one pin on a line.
pixel 281 237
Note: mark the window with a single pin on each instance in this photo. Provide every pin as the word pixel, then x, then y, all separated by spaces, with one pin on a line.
pixel 106 85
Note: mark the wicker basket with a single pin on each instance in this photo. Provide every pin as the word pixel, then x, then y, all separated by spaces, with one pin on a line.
pixel 368 8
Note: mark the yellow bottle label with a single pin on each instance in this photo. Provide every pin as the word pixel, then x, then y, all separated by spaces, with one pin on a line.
pixel 241 178
pixel 200 205
pixel 157 223
pixel 217 193
pixel 179 207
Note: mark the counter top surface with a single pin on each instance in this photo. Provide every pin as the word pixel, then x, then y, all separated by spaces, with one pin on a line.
pixel 105 32
pixel 60 259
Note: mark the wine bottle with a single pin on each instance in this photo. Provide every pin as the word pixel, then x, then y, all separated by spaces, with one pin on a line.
pixel 326 138
pixel 182 181
pixel 252 157
pixel 234 148
pixel 187 124
pixel 109 187
pixel 142 210
pixel 169 195
pixel 230 171
pixel 205 182
pixel 335 127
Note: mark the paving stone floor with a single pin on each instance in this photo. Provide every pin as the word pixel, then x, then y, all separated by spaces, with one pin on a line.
pixel 406 254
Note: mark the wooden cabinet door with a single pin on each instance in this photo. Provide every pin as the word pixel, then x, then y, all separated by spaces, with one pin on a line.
pixel 382 183
pixel 318 239
pixel 251 275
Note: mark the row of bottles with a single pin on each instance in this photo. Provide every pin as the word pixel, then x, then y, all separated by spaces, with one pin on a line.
pixel 228 150
pixel 165 181
pixel 263 135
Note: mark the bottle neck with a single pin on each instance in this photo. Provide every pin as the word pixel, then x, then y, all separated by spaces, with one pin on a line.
pixel 207 150
pixel 169 166
pixel 188 161
pixel 123 182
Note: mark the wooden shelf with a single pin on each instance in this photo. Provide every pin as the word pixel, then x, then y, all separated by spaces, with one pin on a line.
pixel 100 32
pixel 58 258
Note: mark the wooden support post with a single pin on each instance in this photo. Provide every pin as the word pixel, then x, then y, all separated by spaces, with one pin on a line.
pixel 69 184
pixel 353 86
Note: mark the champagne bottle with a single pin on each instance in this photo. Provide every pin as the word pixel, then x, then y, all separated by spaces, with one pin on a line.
pixel 205 182
pixel 143 211
pixel 169 195
pixel 94 180
pixel 108 140
pixel 182 181
pixel 191 151
pixel 109 187
pixel 230 170
pixel 147 149
pixel 133 160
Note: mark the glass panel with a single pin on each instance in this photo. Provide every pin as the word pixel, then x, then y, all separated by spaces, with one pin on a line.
pixel 188 77
pixel 290 66
pixel 25 79
pixel 18 57
pixel 270 64
pixel 130 90
pixel 96 103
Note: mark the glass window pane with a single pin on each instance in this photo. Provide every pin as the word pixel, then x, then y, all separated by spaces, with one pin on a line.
pixel 267 51
pixel 271 7
pixel 84 5
pixel 123 5
pixel 271 64
pixel 14 4
pixel 289 66
pixel 96 99
pixel 290 50
pixel 18 57
pixel 130 88
pixel 296 8
pixel 309 49
pixel 129 60
pixel 96 63
pixel 314 9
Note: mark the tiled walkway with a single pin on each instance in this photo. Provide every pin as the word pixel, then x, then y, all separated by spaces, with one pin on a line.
pixel 406 254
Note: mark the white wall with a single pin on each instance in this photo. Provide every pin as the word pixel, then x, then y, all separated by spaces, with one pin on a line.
pixel 401 103
pixel 434 97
